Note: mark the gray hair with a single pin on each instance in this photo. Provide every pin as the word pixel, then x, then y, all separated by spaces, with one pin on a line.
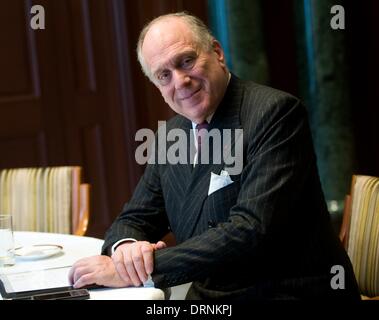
pixel 201 33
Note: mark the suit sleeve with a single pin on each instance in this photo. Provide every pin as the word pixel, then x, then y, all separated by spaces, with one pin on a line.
pixel 279 154
pixel 144 216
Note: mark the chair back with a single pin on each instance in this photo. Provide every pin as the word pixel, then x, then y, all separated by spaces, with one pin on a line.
pixel 360 232
pixel 46 199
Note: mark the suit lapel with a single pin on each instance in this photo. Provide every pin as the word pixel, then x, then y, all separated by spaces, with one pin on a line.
pixel 227 116
pixel 182 172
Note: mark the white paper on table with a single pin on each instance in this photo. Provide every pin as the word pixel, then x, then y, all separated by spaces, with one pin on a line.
pixel 36 280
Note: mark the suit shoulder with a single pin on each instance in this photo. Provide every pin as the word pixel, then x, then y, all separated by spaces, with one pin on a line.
pixel 262 95
pixel 262 105
pixel 259 100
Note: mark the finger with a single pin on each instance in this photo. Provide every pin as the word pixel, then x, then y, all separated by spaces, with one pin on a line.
pixel 80 272
pixel 73 270
pixel 129 265
pixel 140 258
pixel 71 273
pixel 118 261
pixel 148 258
pixel 74 274
pixel 160 245
pixel 85 280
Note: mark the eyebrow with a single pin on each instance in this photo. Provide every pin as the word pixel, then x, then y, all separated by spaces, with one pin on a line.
pixel 174 61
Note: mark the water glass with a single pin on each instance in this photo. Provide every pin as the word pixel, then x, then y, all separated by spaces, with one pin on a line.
pixel 6 241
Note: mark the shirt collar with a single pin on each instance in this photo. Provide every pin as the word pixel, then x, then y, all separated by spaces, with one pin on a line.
pixel 208 119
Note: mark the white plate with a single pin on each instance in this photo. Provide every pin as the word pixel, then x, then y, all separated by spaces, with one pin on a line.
pixel 37 251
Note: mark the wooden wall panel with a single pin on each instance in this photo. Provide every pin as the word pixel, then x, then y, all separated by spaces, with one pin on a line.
pixel 90 95
pixel 22 131
pixel 73 93
pixel 94 163
pixel 33 149
pixel 14 53
pixel 83 54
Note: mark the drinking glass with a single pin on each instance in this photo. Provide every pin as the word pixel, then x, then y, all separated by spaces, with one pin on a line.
pixel 6 241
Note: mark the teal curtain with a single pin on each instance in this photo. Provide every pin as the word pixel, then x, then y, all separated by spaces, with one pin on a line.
pixel 219 25
pixel 322 75
pixel 238 25
pixel 323 79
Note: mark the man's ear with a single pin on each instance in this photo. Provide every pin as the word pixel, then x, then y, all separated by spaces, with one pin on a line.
pixel 217 48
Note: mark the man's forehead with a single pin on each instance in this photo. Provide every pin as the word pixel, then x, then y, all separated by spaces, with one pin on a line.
pixel 167 32
pixel 166 38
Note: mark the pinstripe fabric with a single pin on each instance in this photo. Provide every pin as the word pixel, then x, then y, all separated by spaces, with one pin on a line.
pixel 265 236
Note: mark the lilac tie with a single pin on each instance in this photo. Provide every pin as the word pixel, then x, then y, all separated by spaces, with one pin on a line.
pixel 201 133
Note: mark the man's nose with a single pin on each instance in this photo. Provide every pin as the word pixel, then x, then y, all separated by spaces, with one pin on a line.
pixel 181 79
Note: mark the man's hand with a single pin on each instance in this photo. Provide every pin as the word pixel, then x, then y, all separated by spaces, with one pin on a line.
pixel 134 261
pixel 98 270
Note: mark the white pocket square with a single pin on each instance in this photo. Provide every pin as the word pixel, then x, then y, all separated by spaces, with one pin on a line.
pixel 219 181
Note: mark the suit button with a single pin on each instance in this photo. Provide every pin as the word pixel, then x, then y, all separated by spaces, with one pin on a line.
pixel 211 224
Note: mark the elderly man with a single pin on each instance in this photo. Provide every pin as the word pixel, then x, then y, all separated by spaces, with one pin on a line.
pixel 262 233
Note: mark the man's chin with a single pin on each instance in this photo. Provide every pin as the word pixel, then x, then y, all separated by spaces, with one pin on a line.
pixel 197 118
pixel 193 112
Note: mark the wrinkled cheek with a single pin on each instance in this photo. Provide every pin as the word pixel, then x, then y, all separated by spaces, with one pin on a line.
pixel 174 105
pixel 168 99
pixel 203 99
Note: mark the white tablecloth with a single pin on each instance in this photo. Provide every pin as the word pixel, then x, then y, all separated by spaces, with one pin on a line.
pixel 74 248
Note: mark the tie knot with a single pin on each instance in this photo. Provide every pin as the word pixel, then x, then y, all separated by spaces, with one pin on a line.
pixel 203 125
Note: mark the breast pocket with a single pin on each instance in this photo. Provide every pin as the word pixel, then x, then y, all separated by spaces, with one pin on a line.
pixel 217 205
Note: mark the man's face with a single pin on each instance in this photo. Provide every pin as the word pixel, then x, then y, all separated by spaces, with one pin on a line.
pixel 191 80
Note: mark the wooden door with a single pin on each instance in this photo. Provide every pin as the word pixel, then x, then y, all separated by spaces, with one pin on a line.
pixel 73 93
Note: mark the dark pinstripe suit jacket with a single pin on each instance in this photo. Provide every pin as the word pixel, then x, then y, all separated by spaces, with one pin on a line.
pixel 267 235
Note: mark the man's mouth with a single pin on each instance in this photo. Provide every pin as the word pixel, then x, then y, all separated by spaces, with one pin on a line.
pixel 190 95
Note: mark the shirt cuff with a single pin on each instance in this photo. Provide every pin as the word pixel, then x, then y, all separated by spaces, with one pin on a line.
pixel 121 242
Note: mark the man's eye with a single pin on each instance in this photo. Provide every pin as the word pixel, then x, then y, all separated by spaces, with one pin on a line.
pixel 188 62
pixel 164 77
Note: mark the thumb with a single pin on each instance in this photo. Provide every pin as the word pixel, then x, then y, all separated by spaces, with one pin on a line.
pixel 160 245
